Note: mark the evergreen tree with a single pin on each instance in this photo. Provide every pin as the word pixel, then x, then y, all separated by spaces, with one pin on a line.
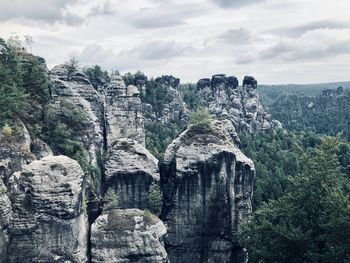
pixel 311 221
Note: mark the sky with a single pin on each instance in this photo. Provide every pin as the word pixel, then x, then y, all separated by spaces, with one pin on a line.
pixel 276 41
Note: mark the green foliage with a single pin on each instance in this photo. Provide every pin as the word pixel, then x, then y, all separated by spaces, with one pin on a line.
pixel 3 189
pixel 7 130
pixel 64 134
pixel 310 222
pixel 277 156
pixel 200 117
pixel 71 66
pixel 157 95
pixel 110 200
pixel 128 79
pixel 154 198
pixel 96 75
pixel 13 100
pixel 189 95
pixel 159 136
pixel 24 88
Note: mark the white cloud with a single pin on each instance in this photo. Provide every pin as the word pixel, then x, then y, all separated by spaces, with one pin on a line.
pixel 191 39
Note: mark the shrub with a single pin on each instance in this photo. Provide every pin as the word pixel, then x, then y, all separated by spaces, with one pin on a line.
pixel 7 130
pixel 110 200
pixel 201 117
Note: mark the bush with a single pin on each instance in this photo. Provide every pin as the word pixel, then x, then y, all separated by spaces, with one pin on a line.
pixel 7 130
pixel 201 117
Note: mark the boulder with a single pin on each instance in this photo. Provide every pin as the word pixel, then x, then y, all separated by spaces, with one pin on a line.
pixel 129 235
pixel 48 223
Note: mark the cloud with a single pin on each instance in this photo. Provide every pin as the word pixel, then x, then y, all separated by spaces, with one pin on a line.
pixel 166 14
pixel 299 30
pixel 51 11
pixel 159 50
pixel 235 3
pixel 237 36
pixel 315 45
pixel 146 54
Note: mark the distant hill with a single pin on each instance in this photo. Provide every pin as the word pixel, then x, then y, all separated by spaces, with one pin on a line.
pixel 269 93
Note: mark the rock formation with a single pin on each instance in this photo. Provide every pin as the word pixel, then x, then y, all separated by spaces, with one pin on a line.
pixel 74 88
pixel 123 112
pixel 128 236
pixel 48 224
pixel 174 109
pixel 130 170
pixel 225 99
pixel 207 185
pixel 5 215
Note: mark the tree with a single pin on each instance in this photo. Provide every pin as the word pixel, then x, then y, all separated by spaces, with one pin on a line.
pixel 71 66
pixel 311 221
pixel 154 199
pixel 110 200
pixel 29 42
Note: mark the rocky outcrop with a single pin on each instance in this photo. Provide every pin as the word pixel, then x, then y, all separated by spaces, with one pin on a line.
pixel 40 149
pixel 73 87
pixel 48 224
pixel 123 112
pixel 175 108
pixel 207 185
pixel 130 170
pixel 5 215
pixel 225 99
pixel 128 236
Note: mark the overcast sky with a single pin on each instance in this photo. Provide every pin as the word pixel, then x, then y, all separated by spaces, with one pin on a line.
pixel 277 41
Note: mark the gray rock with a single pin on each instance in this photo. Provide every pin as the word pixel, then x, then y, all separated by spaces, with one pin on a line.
pixel 40 149
pixel 128 236
pixel 5 215
pixel 75 89
pixel 207 184
pixel 123 112
pixel 130 170
pixel 241 105
pixel 47 223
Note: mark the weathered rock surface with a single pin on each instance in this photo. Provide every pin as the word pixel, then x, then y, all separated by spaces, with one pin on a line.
pixel 40 149
pixel 123 112
pixel 130 169
pixel 5 215
pixel 225 99
pixel 75 88
pixel 47 223
pixel 207 185
pixel 176 109
pixel 128 236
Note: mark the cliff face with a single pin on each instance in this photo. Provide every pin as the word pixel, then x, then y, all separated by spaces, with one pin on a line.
pixel 50 206
pixel 328 113
pixel 173 107
pixel 129 235
pixel 74 88
pixel 207 185
pixel 130 170
pixel 123 112
pixel 225 99
pixel 47 224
